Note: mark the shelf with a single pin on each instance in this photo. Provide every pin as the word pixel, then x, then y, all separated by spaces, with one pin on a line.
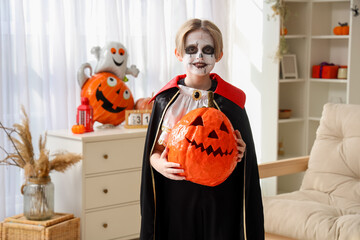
pixel 316 119
pixel 323 80
pixel 291 120
pixel 310 37
pixel 297 36
pixel 330 37
pixel 291 80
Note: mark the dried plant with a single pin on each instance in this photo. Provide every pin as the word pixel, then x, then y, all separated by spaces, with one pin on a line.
pixel 280 8
pixel 23 155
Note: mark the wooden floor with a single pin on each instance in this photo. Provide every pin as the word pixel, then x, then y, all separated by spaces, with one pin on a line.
pixel 270 236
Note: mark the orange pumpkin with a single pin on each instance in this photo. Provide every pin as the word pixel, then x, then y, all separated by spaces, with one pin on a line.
pixel 143 104
pixel 283 31
pixel 78 129
pixel 109 96
pixel 342 29
pixel 204 143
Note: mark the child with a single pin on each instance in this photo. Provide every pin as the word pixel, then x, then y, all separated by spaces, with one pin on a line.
pixel 171 207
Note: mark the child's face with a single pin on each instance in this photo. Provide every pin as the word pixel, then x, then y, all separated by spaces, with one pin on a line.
pixel 199 57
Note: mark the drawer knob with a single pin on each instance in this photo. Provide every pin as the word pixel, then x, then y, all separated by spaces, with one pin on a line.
pixel 105 190
pixel 105 225
pixel 105 156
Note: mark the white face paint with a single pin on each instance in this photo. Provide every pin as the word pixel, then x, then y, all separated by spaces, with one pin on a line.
pixel 199 57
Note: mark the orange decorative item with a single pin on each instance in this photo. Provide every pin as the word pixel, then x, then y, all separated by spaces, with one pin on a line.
pixel 78 129
pixel 143 104
pixel 109 96
pixel 204 143
pixel 342 29
pixel 283 31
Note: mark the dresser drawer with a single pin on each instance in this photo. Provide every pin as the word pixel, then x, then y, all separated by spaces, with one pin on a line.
pixel 112 189
pixel 113 223
pixel 113 155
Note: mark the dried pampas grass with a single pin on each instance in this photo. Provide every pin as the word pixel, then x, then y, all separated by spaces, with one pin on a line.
pixel 64 160
pixel 24 157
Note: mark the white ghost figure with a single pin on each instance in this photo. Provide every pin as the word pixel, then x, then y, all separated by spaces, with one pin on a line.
pixel 113 58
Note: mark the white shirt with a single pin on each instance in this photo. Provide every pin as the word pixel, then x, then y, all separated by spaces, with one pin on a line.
pixel 188 99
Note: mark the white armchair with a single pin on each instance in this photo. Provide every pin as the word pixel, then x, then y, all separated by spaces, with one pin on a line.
pixel 327 206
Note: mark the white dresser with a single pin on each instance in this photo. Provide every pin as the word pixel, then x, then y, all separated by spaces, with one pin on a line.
pixel 103 190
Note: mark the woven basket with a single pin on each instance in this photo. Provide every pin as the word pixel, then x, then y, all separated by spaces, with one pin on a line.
pixel 60 227
pixel 284 113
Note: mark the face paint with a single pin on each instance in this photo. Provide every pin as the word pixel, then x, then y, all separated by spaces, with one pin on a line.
pixel 199 56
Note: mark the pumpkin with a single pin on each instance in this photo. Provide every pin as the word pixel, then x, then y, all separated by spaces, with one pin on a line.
pixel 283 31
pixel 203 142
pixel 109 96
pixel 342 29
pixel 143 104
pixel 78 129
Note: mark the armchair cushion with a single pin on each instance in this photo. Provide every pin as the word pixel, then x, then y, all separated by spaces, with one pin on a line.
pixel 327 206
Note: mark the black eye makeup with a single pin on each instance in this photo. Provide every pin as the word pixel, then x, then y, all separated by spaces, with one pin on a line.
pixel 208 50
pixel 193 49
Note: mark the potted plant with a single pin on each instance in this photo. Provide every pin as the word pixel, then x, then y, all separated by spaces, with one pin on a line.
pixel 38 189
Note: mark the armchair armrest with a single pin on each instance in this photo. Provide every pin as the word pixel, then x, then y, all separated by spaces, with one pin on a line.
pixel 283 167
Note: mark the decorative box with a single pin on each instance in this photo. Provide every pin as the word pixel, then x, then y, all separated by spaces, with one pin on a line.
pixel 325 71
pixel 60 227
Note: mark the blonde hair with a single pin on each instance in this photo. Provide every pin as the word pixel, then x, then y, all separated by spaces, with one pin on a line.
pixel 195 24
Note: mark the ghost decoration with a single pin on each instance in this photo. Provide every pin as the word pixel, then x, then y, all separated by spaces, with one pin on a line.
pixel 106 89
pixel 113 58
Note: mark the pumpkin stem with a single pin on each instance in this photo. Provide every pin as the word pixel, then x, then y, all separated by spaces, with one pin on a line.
pixel 211 99
pixel 343 24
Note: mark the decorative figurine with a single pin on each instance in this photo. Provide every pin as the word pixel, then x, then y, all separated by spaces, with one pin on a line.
pixel 109 96
pixel 113 58
pixel 106 89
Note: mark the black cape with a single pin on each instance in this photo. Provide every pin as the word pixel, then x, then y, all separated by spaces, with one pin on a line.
pixel 190 211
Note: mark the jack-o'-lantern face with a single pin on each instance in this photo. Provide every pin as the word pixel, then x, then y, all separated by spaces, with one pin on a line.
pixel 204 143
pixel 109 97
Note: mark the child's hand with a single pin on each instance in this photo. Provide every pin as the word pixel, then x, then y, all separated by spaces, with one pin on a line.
pixel 167 169
pixel 241 146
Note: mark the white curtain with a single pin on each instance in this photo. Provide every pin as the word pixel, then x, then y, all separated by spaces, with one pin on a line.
pixel 43 42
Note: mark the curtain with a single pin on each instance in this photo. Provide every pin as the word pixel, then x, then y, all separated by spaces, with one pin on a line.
pixel 43 43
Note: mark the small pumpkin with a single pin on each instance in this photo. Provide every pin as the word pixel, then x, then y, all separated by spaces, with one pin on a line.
pixel 143 104
pixel 109 96
pixel 283 31
pixel 78 129
pixel 204 143
pixel 342 29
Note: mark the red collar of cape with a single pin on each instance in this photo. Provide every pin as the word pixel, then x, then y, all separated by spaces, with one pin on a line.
pixel 223 88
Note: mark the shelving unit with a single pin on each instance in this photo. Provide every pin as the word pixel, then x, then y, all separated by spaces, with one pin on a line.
pixel 310 37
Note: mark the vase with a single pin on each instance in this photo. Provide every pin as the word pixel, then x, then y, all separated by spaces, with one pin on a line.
pixel 38 198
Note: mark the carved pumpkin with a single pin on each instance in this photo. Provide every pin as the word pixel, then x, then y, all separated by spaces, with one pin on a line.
pixel 204 143
pixel 109 96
